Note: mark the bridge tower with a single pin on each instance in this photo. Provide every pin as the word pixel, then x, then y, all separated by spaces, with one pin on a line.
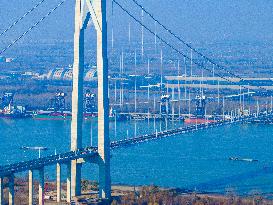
pixel 94 10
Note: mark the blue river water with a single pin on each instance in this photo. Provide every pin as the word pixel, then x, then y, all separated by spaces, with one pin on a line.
pixel 196 161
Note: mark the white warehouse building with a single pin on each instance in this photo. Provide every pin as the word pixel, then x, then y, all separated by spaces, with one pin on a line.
pixel 65 74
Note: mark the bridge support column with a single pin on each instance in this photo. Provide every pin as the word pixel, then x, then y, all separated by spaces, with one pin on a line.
pixel 58 182
pixel 11 189
pixel 30 187
pixel 68 183
pixel 41 186
pixel 1 191
pixel 104 181
pixel 77 97
pixel 99 19
pixel 103 101
pixel 75 178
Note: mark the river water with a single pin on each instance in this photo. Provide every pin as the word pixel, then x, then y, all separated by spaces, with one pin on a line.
pixel 196 161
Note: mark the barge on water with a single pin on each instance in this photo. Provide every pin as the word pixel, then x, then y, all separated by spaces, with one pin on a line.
pixel 10 110
pixel 59 111
pixel 262 118
pixel 200 112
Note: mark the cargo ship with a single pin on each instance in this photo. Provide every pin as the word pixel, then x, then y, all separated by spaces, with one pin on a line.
pixel 58 110
pixel 200 113
pixel 52 115
pixel 165 109
pixel 10 110
pixel 198 120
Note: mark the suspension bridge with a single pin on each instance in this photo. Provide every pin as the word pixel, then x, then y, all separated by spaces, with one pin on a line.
pixel 188 58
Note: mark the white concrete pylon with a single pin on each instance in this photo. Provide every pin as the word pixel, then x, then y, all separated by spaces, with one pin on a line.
pixel 58 182
pixel 97 10
pixel 75 178
pixel 30 187
pixel 68 183
pixel 11 189
pixel 103 102
pixel 41 186
pixel 81 19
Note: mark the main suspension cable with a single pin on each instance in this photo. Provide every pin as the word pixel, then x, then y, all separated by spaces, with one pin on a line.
pixel 191 47
pixel 177 50
pixel 32 27
pixel 22 17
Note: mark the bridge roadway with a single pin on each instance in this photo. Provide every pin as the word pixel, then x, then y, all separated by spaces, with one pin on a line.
pixel 180 130
pixel 90 152
pixel 36 164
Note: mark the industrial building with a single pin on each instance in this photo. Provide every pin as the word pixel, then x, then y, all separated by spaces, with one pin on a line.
pixel 65 74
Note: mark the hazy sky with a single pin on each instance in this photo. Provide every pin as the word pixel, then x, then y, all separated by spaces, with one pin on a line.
pixel 195 20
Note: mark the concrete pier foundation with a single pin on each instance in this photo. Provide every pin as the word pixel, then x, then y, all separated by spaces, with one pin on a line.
pixel 68 183
pixel 41 186
pixel 58 182
pixel 75 178
pixel 1 191
pixel 30 187
pixel 11 189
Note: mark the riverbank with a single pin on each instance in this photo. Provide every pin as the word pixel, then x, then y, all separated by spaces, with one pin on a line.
pixel 156 196
pixel 134 195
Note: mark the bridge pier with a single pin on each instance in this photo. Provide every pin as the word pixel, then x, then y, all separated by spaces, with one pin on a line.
pixel 104 178
pixel 1 191
pixel 77 98
pixel 11 189
pixel 30 187
pixel 68 183
pixel 98 14
pixel 75 178
pixel 41 186
pixel 58 182
pixel 103 102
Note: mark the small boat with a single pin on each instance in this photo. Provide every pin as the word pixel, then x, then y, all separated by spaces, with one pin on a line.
pixel 243 159
pixel 34 148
